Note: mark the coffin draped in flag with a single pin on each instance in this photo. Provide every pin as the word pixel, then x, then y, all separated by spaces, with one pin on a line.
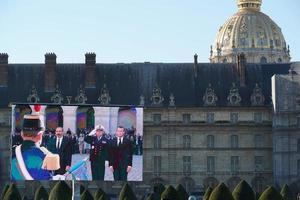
pixel 79 171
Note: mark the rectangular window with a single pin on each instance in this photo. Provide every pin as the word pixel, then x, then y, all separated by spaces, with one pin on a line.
pixel 186 141
pixel 157 118
pixel 157 142
pixel 258 163
pixel 234 164
pixel 258 140
pixel 234 118
pixel 210 164
pixel 258 118
pixel 186 118
pixel 157 165
pixel 298 121
pixel 234 141
pixel 298 168
pixel 172 162
pixel 210 141
pixel 187 164
pixel 210 118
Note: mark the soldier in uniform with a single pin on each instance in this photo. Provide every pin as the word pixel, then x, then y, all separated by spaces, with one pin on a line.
pixel 98 151
pixel 29 160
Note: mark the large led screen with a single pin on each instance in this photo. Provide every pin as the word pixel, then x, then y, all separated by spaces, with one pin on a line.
pixel 51 142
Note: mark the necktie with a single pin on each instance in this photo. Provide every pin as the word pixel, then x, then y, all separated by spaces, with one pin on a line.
pixel 58 143
pixel 119 141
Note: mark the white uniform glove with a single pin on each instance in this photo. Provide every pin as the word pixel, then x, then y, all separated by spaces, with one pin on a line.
pixel 93 132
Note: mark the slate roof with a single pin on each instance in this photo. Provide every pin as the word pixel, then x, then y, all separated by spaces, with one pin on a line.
pixel 127 82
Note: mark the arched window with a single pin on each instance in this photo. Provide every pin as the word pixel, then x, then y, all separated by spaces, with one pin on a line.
pixel 157 142
pixel 225 60
pixel 263 60
pixel 279 60
pixel 186 141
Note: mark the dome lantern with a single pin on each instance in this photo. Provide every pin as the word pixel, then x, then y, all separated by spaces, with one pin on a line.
pixel 249 4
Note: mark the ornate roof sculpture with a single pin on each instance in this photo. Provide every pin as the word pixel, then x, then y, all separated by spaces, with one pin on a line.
pixel 104 98
pixel 81 97
pixel 234 98
pixel 210 98
pixel 33 97
pixel 252 32
pixel 172 100
pixel 157 98
pixel 57 96
pixel 257 97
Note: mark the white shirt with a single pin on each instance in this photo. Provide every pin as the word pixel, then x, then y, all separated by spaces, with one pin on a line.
pixel 58 142
pixel 120 141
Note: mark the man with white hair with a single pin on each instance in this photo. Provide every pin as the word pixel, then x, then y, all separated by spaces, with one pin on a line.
pixel 98 151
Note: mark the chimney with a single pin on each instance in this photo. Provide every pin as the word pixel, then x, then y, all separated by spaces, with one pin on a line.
pixel 50 59
pixel 90 70
pixel 241 68
pixel 4 58
pixel 195 65
pixel 50 72
pixel 196 59
pixel 90 58
pixel 3 69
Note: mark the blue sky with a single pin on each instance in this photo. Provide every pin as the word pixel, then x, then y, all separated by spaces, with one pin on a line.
pixel 126 30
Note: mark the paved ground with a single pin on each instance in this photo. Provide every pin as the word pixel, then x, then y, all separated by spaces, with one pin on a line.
pixel 136 173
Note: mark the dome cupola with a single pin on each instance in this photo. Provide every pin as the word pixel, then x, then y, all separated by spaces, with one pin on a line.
pixel 253 33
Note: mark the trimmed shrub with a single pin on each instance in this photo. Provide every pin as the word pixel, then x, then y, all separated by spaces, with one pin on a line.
pixel 41 194
pixel 270 194
pixel 100 193
pixel 151 197
pixel 60 191
pixel 127 193
pixel 158 190
pixel 4 191
pixel 243 191
pixel 86 195
pixel 103 197
pixel 221 192
pixel 286 193
pixel 82 189
pixel 169 194
pixel 12 193
pixel 207 193
pixel 182 194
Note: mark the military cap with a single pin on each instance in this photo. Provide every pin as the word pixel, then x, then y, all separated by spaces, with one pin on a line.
pixel 32 123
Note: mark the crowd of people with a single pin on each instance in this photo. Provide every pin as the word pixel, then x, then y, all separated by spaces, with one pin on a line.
pixel 78 143
pixel 40 154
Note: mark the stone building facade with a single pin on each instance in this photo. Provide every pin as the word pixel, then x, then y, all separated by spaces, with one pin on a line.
pixel 205 124
pixel 286 128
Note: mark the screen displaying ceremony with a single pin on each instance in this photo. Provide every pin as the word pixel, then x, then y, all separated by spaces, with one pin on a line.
pixel 51 142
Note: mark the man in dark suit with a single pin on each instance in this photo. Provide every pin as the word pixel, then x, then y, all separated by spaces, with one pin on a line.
pixel 98 151
pixel 61 145
pixel 120 155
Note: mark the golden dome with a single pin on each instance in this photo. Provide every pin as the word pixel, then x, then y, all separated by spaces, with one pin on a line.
pixel 251 32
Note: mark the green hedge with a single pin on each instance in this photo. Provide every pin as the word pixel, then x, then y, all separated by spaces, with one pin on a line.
pixel 221 192
pixel 270 194
pixel 243 191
